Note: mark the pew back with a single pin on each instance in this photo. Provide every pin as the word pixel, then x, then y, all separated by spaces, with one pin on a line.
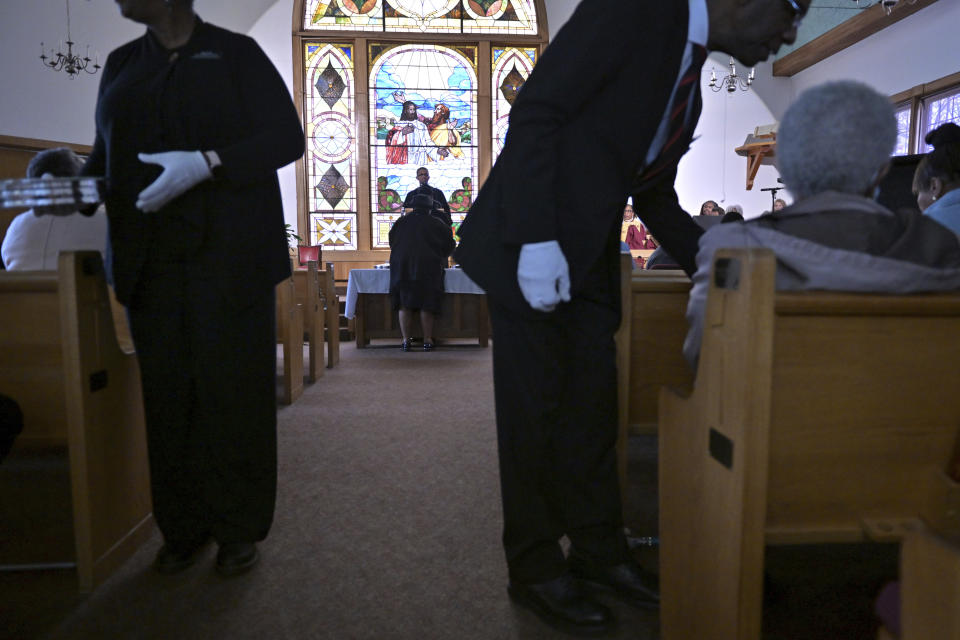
pixel 649 349
pixel 31 353
pixel 329 289
pixel 312 301
pixel 290 336
pixel 658 306
pixel 929 587
pixel 815 417
pixel 60 361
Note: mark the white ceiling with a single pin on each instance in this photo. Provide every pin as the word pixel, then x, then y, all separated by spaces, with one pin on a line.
pixel 236 15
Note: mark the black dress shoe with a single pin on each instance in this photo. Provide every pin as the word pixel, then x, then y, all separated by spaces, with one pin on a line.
pixel 406 345
pixel 626 580
pixel 427 346
pixel 170 561
pixel 562 604
pixel 235 558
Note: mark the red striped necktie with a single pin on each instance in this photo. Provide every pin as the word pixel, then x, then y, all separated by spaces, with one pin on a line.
pixel 679 126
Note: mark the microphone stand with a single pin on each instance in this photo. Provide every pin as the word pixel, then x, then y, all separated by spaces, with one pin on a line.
pixel 773 195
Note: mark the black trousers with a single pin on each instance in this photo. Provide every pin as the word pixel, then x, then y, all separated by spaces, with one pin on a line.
pixel 209 389
pixel 555 384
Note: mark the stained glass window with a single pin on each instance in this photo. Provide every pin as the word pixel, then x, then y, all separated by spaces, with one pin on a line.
pixel 347 15
pixel 518 17
pixel 331 160
pixel 939 110
pixel 420 16
pixel 511 68
pixel 423 112
pixel 903 130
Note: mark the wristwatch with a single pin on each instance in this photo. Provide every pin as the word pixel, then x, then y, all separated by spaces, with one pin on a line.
pixel 213 162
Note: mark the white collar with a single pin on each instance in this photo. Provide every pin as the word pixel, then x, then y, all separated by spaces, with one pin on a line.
pixel 698 28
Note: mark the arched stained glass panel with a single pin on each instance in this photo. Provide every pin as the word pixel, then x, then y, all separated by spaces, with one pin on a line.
pixel 418 16
pixel 423 108
pixel 511 68
pixel 330 118
pixel 514 17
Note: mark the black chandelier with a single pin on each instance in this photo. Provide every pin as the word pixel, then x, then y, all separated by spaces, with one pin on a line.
pixel 69 62
pixel 731 81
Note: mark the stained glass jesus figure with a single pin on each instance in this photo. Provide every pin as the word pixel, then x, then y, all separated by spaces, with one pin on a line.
pixel 409 141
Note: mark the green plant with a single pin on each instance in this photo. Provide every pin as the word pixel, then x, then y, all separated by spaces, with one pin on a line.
pixel 292 236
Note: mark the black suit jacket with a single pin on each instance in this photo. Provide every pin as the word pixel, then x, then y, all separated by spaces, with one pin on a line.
pixel 579 129
pixel 441 208
pixel 219 91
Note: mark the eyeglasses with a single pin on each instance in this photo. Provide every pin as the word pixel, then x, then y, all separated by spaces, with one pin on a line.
pixel 798 12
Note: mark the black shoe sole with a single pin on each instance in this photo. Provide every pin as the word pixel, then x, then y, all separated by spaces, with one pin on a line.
pixel 173 568
pixel 649 601
pixel 559 624
pixel 185 562
pixel 231 570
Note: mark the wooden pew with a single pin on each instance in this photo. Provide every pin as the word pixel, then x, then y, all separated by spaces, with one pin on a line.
pixel 930 568
pixel 290 335
pixel 649 349
pixel 815 417
pixel 60 361
pixel 658 307
pixel 929 587
pixel 329 289
pixel 313 305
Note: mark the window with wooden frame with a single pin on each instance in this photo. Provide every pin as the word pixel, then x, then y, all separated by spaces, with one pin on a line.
pixel 923 108
pixel 387 86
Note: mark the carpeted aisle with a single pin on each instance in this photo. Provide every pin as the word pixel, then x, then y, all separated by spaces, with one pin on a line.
pixel 387 526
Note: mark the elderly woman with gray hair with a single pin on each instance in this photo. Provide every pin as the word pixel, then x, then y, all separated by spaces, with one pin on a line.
pixel 835 236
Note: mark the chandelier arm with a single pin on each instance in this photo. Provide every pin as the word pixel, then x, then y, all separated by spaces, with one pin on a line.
pixel 69 62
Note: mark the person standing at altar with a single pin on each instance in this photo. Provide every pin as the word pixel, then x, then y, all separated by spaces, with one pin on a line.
pixel 420 244
pixel 440 208
pixel 542 239
pixel 192 123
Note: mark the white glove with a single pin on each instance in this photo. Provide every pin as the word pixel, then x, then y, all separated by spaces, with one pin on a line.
pixel 182 170
pixel 543 275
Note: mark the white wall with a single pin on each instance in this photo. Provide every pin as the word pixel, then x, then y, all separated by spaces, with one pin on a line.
pixel 39 103
pixel 918 49
pixel 272 32
pixel 712 170
pixel 558 12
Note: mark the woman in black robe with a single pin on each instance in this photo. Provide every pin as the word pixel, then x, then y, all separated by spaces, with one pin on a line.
pixel 420 244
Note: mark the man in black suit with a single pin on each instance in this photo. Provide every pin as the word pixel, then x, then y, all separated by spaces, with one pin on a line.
pixel 606 114
pixel 440 207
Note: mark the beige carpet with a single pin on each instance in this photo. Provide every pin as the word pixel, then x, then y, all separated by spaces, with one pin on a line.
pixel 387 526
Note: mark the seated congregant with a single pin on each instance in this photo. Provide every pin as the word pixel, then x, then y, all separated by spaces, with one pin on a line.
pixel 632 231
pixel 34 242
pixel 835 236
pixel 936 182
